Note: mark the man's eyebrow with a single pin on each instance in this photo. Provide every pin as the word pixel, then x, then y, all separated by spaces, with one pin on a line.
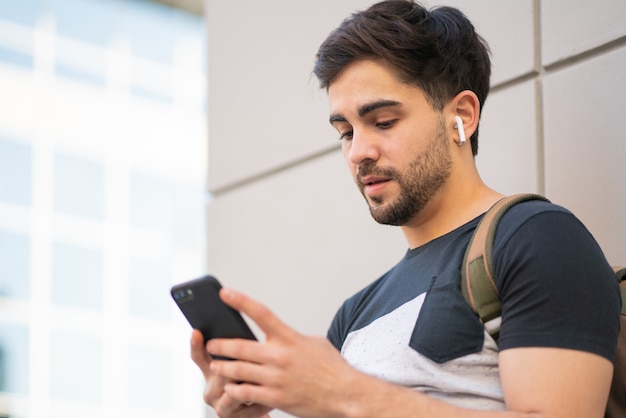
pixel 336 118
pixel 365 109
pixel 370 107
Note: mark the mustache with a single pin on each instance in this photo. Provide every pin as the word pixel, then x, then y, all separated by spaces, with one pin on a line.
pixel 369 168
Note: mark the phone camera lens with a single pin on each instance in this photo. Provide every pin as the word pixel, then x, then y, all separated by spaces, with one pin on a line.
pixel 182 294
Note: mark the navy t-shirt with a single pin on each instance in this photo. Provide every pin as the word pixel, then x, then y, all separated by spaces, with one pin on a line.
pixel 412 326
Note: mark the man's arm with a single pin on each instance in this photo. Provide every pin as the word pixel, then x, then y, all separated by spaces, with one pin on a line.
pixel 307 377
pixel 555 382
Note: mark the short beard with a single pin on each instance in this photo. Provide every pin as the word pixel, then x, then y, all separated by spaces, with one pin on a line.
pixel 427 173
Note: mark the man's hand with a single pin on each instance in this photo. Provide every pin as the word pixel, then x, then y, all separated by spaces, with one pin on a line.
pixel 225 406
pixel 289 371
pixel 307 377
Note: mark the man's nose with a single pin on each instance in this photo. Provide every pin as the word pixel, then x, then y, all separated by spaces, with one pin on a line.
pixel 363 146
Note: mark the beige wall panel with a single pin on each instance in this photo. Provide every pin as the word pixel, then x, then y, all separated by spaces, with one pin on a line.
pixel 301 241
pixel 586 146
pixel 507 146
pixel 265 108
pixel 507 25
pixel 569 27
pixel 288 226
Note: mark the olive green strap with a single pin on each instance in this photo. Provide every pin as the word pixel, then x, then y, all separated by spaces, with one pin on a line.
pixel 477 279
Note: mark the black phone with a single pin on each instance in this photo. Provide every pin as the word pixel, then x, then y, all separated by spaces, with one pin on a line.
pixel 200 302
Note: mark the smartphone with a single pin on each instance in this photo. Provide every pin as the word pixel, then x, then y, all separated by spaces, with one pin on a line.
pixel 200 302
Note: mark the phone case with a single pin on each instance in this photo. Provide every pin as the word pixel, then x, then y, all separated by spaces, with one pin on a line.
pixel 199 301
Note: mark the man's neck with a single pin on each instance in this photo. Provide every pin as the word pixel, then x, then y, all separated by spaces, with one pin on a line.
pixel 447 211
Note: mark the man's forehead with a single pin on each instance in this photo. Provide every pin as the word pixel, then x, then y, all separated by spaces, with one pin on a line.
pixel 368 81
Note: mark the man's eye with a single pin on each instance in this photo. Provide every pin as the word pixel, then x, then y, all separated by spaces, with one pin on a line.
pixel 345 135
pixel 386 124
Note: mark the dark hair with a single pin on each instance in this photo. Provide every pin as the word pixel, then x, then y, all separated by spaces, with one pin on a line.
pixel 436 50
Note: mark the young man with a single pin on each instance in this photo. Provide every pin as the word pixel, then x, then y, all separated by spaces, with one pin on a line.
pixel 406 87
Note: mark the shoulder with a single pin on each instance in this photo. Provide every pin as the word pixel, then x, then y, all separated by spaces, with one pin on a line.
pixel 556 286
pixel 546 239
pixel 347 312
pixel 546 235
pixel 532 212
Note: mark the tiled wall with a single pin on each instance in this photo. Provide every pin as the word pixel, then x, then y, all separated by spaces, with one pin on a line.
pixel 287 225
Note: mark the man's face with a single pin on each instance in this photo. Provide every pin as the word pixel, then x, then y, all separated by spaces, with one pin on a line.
pixel 394 142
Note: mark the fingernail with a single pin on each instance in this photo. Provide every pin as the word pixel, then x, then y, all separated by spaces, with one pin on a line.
pixel 228 294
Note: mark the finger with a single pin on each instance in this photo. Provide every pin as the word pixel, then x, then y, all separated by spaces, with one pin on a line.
pixel 244 411
pixel 199 354
pixel 269 323
pixel 235 408
pixel 247 394
pixel 236 348
pixel 241 371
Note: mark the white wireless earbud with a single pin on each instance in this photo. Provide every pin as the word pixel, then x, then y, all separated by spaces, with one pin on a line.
pixel 459 127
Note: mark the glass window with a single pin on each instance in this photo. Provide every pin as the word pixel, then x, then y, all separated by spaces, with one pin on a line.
pixel 15 262
pixel 149 377
pixel 13 359
pixel 75 367
pixel 68 22
pixel 76 276
pixel 14 57
pixel 108 56
pixel 80 75
pixel 149 289
pixel 153 32
pixel 78 187
pixel 23 12
pixel 151 94
pixel 151 203
pixel 189 215
pixel 15 172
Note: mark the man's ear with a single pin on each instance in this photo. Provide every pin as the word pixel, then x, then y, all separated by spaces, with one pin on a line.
pixel 466 106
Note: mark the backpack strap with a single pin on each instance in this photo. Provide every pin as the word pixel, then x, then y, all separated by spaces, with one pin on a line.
pixel 620 273
pixel 477 277
pixel 616 406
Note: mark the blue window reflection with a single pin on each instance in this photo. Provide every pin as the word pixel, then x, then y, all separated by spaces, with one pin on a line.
pixel 70 19
pixel 155 391
pixel 152 203
pixel 75 367
pixel 13 358
pixel 23 12
pixel 76 276
pixel 78 187
pixel 15 262
pixel 189 214
pixel 15 172
pixel 19 58
pixel 81 75
pixel 151 94
pixel 154 32
pixel 148 293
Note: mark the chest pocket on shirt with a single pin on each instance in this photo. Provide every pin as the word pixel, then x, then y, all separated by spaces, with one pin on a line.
pixel 446 327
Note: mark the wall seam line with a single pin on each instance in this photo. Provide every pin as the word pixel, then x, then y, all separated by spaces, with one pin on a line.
pixel 539 102
pixel 229 187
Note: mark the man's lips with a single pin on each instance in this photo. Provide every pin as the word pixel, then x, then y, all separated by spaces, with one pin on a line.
pixel 372 180
pixel 373 184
